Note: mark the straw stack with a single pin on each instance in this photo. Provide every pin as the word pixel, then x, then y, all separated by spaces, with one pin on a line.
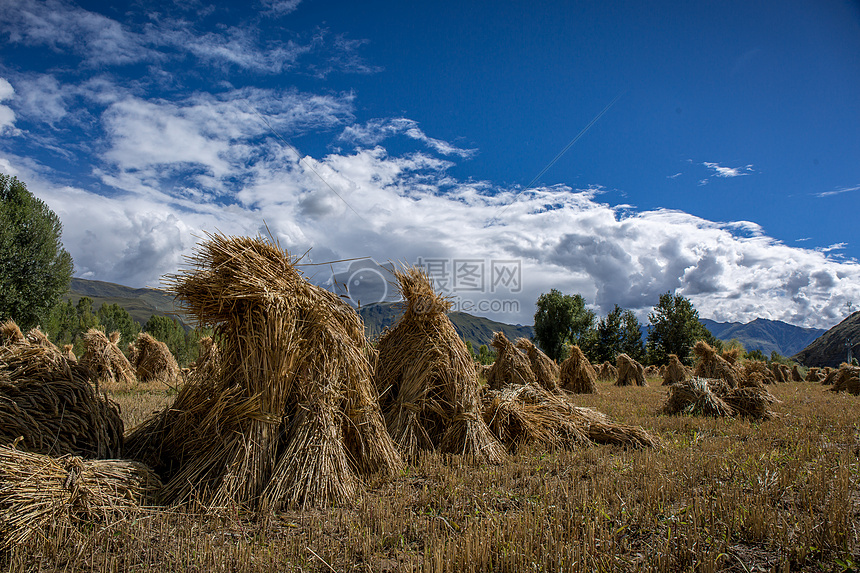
pixel 511 367
pixel 153 362
pixel 848 379
pixel 546 371
pixel 428 386
pixel 292 417
pixel 48 401
pixel 577 375
pixel 607 372
pixel 630 372
pixel 107 362
pixel 755 373
pixel 711 365
pixel 675 371
pixel 713 397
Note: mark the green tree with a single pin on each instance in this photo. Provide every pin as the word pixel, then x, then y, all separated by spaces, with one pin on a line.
pixel 675 328
pixel 113 317
pixel 35 270
pixel 485 355
pixel 561 320
pixel 617 333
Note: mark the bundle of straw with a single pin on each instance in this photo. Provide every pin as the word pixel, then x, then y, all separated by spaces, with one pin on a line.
pixel 710 365
pixel 10 334
pixel 291 416
pixel 546 371
pixel 675 371
pixel 49 402
pixel 607 372
pixel 40 494
pixel 153 361
pixel 848 379
pixel 830 374
pixel 694 397
pixel 530 414
pixel 630 372
pixel 577 374
pixel 751 402
pixel 652 372
pixel 104 358
pixel 795 374
pixel 511 367
pixel 429 389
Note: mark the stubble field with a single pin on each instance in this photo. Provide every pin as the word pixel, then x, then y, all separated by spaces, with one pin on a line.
pixel 719 495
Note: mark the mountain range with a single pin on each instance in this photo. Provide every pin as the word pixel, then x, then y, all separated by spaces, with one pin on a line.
pixel 760 334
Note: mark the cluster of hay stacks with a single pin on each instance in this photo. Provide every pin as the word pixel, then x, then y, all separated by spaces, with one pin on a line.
pixel 107 362
pixel 511 365
pixel 830 375
pixel 48 401
pixel 576 374
pixel 292 417
pixel 546 371
pixel 675 371
pixel 607 372
pixel 847 378
pixel 428 386
pixel 756 373
pixel 652 372
pixel 713 397
pixel 153 361
pixel 630 372
pixel 813 375
pixel 40 494
pixel 711 365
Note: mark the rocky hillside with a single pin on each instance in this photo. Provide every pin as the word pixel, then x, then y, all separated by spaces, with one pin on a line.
pixel 831 348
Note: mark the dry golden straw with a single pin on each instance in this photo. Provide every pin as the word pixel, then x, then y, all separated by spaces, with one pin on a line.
pixel 290 417
pixel 711 365
pixel 675 371
pixel 153 361
pixel 48 401
pixel 577 374
pixel 630 372
pixel 40 494
pixel 106 360
pixel 511 365
pixel 428 385
pixel 546 371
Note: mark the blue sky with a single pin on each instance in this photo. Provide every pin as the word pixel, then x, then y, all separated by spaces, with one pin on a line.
pixel 722 160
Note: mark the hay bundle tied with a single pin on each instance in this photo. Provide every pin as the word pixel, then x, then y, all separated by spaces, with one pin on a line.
pixel 675 371
pixel 10 334
pixel 731 355
pixel 630 372
pixel 292 417
pixel 607 372
pixel 153 361
pixel 694 397
pixel 710 365
pixel 751 402
pixel 577 374
pixel 546 371
pixel 830 374
pixel 795 374
pixel 106 360
pixel 652 372
pixel 847 379
pixel 49 402
pixel 530 414
pixel 428 386
pixel 41 494
pixel 511 367
pixel 208 359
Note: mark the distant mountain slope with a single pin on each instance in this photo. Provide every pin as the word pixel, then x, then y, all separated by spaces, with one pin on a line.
pixel 765 335
pixel 477 329
pixel 830 349
pixel 141 303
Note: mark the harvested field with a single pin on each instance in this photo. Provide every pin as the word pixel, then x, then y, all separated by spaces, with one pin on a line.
pixel 722 494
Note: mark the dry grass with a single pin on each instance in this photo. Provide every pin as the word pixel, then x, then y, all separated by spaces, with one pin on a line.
pixel 722 494
pixel 630 372
pixel 546 371
pixel 577 375
pixel 511 367
pixel 153 363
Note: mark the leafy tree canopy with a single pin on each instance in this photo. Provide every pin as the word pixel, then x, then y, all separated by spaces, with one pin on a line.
pixel 561 320
pixel 675 329
pixel 35 269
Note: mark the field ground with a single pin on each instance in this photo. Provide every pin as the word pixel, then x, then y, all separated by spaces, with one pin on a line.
pixel 720 495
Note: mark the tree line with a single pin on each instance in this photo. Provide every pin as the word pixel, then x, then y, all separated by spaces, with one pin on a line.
pixel 674 328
